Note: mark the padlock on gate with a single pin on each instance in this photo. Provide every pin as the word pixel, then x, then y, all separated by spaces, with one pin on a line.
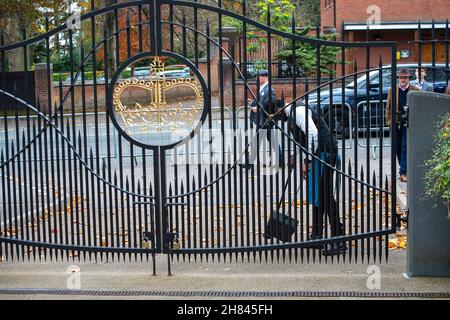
pixel 146 238
pixel 174 241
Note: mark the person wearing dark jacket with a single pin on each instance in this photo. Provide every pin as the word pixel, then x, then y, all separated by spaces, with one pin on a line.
pixel 311 131
pixel 259 117
pixel 403 88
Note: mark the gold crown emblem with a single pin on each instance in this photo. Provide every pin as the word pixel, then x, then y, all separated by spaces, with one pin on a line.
pixel 159 114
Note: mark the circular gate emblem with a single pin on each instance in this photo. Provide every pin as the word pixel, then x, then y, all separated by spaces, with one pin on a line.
pixel 157 100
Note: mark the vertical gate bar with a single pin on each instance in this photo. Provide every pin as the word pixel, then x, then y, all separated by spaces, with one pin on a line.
pixel 269 132
pixel 362 230
pixel 25 201
pixel 139 223
pixel 447 53
pixel 71 195
pixel 74 191
pixel 188 206
pixel 222 123
pixel 330 194
pixel 30 180
pixel 237 204
pixel 140 37
pixel 49 112
pixel 144 191
pixel 368 136
pixel 194 216
pixel 343 161
pixel 152 229
pixel 419 42
pixel 157 179
pixel 94 192
pixel 18 212
pixel 108 129
pixel 258 173
pixel 302 172
pixel 374 218
pixel 53 188
pixel 14 231
pixel 183 221
pixel 210 142
pixel 3 219
pixel 42 197
pixel 183 35
pixel 380 164
pixel 196 38
pixel 293 202
pixel 229 194
pixel 250 241
pixel 82 208
pixel 132 159
pixel 217 205
pixel 350 210
pixel 128 223
pixel 322 223
pixel 176 183
pixel 47 213
pixel 1 153
pixel 97 158
pixel 63 159
pixel 128 33
pixel 355 94
pixel 433 50
pixel 105 239
pixel 200 197
pixel 87 227
pixel 393 137
pixel 386 206
pixel 58 183
pixel 207 225
pixel 36 226
pixel 171 28
pixel 116 214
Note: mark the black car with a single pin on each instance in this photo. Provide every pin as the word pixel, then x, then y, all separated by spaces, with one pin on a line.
pixel 344 119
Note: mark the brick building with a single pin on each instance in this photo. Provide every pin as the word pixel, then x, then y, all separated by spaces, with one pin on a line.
pixel 398 22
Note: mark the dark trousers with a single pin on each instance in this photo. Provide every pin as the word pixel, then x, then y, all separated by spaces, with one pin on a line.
pixel 400 151
pixel 267 132
pixel 327 204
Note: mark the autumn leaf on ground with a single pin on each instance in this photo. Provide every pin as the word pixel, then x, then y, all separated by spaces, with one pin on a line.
pixel 398 243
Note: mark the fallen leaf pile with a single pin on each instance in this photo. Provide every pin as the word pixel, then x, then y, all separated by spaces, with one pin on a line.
pixel 399 242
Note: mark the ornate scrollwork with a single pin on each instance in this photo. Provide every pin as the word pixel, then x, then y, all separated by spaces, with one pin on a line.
pixel 159 114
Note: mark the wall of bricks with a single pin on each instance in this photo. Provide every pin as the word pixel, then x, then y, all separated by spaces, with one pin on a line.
pixel 356 11
pixel 41 86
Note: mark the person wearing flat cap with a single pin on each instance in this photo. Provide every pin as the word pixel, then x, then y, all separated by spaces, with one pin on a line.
pixel 403 87
pixel 259 117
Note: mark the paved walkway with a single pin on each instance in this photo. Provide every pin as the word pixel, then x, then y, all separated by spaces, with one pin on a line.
pixel 197 276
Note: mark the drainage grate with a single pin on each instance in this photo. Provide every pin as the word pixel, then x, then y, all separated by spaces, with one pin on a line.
pixel 226 294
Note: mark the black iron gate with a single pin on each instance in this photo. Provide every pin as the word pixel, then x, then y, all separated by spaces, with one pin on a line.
pixel 150 155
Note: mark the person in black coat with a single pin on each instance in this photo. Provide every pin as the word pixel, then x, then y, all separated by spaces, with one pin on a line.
pixel 259 117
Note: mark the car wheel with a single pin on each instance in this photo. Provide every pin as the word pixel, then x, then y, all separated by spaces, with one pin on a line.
pixel 338 122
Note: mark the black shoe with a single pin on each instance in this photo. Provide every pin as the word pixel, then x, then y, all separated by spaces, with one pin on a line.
pixel 332 249
pixel 313 236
